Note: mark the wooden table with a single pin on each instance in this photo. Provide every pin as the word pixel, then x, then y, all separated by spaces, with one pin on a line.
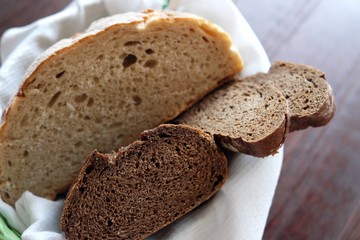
pixel 318 196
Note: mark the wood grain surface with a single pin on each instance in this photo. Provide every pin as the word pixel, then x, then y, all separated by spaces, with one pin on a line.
pixel 318 196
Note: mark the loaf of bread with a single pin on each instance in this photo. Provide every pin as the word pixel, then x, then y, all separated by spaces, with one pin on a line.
pixel 254 114
pixel 101 88
pixel 243 116
pixel 143 187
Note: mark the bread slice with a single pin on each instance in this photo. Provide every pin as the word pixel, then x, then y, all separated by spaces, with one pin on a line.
pixel 254 114
pixel 309 95
pixel 145 186
pixel 102 88
pixel 243 116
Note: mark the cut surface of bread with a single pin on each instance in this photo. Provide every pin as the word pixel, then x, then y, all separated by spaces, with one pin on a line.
pixel 101 88
pixel 243 116
pixel 310 97
pixel 143 187
pixel 254 114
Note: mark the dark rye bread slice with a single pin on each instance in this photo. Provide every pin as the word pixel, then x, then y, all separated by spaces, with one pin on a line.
pixel 101 89
pixel 310 97
pixel 243 116
pixel 143 187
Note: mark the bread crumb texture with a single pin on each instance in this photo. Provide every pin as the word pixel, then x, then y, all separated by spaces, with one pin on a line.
pixel 145 186
pixel 244 117
pixel 253 115
pixel 309 96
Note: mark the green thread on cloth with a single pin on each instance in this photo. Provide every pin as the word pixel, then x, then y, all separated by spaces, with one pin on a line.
pixel 6 232
pixel 165 4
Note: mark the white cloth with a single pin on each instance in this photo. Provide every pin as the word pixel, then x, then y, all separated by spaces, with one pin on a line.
pixel 238 211
pixel 35 217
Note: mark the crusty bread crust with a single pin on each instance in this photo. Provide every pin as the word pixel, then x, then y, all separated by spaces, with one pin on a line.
pixel 261 148
pixel 145 186
pixel 101 88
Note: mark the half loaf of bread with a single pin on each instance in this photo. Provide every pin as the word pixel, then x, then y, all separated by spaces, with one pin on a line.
pixel 101 88
pixel 143 187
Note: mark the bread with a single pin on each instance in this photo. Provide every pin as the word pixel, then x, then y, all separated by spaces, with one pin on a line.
pixel 145 186
pixel 309 95
pixel 254 114
pixel 101 88
pixel 243 116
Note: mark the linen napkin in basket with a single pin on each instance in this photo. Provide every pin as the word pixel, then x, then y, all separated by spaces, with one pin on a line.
pixel 238 211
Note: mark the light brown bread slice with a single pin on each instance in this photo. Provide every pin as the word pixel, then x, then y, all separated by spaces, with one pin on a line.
pixel 100 89
pixel 243 116
pixel 250 115
pixel 145 186
pixel 309 95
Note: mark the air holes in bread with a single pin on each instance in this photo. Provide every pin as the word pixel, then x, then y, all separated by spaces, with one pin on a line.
pixel 60 74
pixel 137 100
pixel 53 99
pixel 80 98
pixel 25 153
pixel 96 80
pixel 109 222
pixel 81 189
pixel 149 51
pixel 90 102
pixel 312 81
pixel 89 169
pixel 150 63
pixel 166 135
pixel 129 60
pixel 131 43
pixel 74 86
pixel 205 39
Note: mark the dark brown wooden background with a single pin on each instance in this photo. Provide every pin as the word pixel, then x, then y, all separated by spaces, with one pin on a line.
pixel 318 196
